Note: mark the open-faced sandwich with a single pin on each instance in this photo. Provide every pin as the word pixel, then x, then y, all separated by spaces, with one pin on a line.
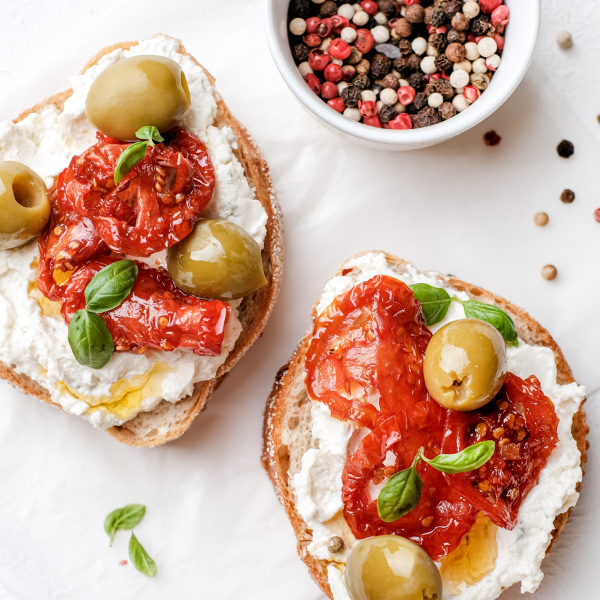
pixel 140 243
pixel 426 439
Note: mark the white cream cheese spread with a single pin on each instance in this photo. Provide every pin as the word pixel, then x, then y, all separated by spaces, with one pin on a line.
pixel 521 551
pixel 36 344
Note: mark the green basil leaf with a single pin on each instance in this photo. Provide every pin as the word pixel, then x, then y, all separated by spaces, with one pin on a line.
pixel 110 286
pixel 140 559
pixel 90 339
pixel 123 518
pixel 494 316
pixel 435 302
pixel 469 459
pixel 131 156
pixel 400 495
pixel 149 133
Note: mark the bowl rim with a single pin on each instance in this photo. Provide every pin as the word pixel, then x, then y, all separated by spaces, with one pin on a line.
pixel 410 137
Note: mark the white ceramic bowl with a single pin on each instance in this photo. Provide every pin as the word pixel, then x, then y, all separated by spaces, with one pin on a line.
pixel 521 37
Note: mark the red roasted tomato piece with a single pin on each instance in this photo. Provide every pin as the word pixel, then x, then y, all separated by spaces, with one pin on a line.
pixel 156 314
pixel 155 205
pixel 441 518
pixel 365 360
pixel 523 422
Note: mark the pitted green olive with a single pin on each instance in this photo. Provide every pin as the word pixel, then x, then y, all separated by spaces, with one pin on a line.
pixel 24 204
pixel 135 92
pixel 390 567
pixel 465 364
pixel 217 260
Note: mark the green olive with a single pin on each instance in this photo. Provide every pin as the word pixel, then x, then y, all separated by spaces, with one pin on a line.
pixel 390 567
pixel 24 204
pixel 465 364
pixel 135 92
pixel 217 260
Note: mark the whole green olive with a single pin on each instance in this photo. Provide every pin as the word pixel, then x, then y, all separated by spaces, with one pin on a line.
pixel 465 364
pixel 135 92
pixel 217 260
pixel 390 567
pixel 24 204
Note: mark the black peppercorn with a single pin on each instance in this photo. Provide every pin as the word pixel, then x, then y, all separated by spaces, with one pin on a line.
pixel 405 46
pixel 443 63
pixel 481 25
pixel 387 114
pixel 417 80
pixel 491 138
pixel 454 37
pixel 444 87
pixel 567 196
pixel 355 56
pixel 380 66
pixel 328 9
pixel 438 41
pixel 428 116
pixel 401 64
pixel 447 111
pixel 301 52
pixel 362 82
pixel 415 122
pixel 300 8
pixel 434 16
pixel 414 62
pixel 452 7
pixel 430 88
pixel 420 101
pixel 565 149
pixel 391 81
pixel 389 8
pixel 351 96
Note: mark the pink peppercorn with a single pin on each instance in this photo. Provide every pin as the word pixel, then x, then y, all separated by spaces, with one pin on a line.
pixel 339 23
pixel 318 59
pixel 367 109
pixel 312 23
pixel 372 121
pixel 340 49
pixel 370 7
pixel 488 6
pixel 406 95
pixel 349 72
pixel 499 41
pixel 597 215
pixel 337 104
pixel 333 72
pixel 324 28
pixel 364 40
pixel 402 121
pixel 471 93
pixel 411 2
pixel 329 90
pixel 500 18
pixel 313 83
pixel 312 40
pixel 471 37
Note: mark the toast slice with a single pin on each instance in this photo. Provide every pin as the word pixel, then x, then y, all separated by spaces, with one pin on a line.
pixel 287 422
pixel 170 420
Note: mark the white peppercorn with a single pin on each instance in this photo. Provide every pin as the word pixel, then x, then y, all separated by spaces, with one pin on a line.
pixel 435 100
pixel 346 11
pixel 471 9
pixel 348 34
pixel 400 108
pixel 357 7
pixel 318 1
pixel 465 65
pixel 431 51
pixel 388 96
pixel 459 79
pixel 472 51
pixel 368 96
pixel 428 65
pixel 360 18
pixel 564 40
pixel 342 85
pixel 479 66
pixel 419 45
pixel 493 62
pixel 353 114
pixel 487 46
pixel 325 44
pixel 460 102
pixel 297 26
pixel 380 18
pixel 541 219
pixel 305 69
pixel 380 34
pixel 549 272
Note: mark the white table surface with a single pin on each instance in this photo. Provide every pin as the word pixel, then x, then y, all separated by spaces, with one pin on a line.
pixel 213 524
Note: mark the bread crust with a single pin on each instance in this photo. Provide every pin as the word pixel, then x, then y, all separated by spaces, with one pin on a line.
pixel 255 309
pixel 281 408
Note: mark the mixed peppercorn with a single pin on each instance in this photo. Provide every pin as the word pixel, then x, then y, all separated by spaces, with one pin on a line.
pixel 398 64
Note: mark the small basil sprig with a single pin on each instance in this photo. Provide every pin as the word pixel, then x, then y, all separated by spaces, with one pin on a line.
pixel 89 337
pixel 123 518
pixel 136 152
pixel 140 558
pixel 436 302
pixel 402 492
